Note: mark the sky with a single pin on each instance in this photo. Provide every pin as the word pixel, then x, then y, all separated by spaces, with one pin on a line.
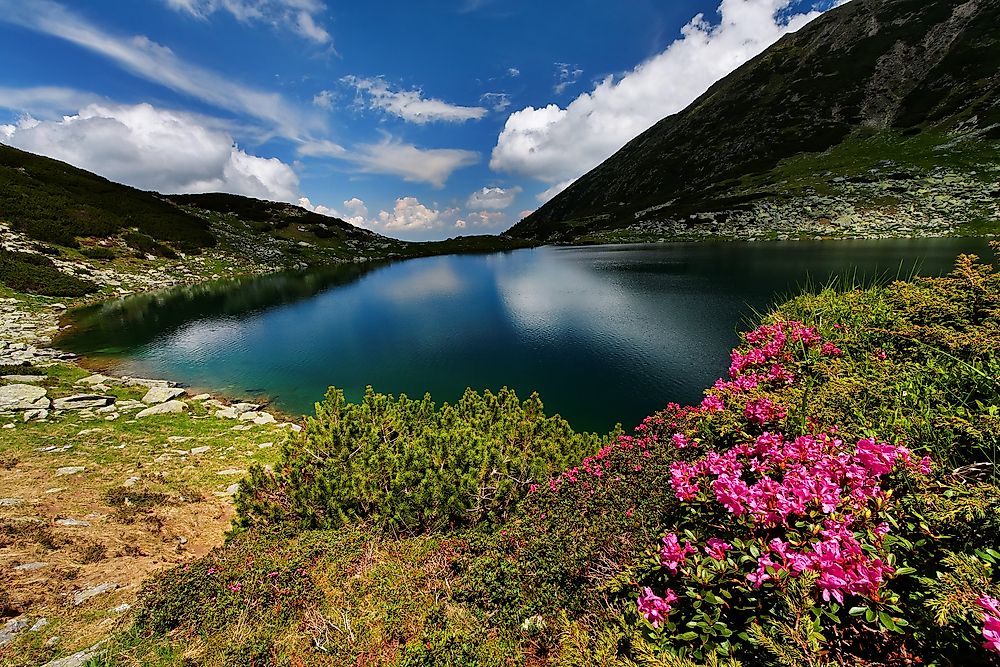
pixel 418 120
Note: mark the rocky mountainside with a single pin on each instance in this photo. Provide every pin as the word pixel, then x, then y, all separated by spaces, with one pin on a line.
pixel 853 120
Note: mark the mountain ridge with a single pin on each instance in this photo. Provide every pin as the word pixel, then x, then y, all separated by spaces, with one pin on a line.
pixel 889 68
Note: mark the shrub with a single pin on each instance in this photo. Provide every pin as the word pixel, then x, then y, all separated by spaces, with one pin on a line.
pixel 98 252
pixel 146 245
pixel 36 274
pixel 406 465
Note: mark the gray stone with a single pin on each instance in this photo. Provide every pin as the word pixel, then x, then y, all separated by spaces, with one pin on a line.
pixel 11 502
pixel 161 395
pixel 30 567
pixel 82 596
pixel 131 481
pixel 145 382
pixel 170 407
pixel 94 379
pixel 70 470
pixel 37 415
pixel 200 450
pixel 201 397
pixel 39 624
pixel 82 402
pixel 231 471
pixel 177 439
pixel 78 659
pixel 11 628
pixel 227 413
pixel 23 397
pixel 229 492
pixel 72 523
pixel 246 407
pixel 24 379
pixel 264 418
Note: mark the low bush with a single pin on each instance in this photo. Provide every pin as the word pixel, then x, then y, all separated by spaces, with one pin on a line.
pixel 98 252
pixel 147 245
pixel 36 274
pixel 407 465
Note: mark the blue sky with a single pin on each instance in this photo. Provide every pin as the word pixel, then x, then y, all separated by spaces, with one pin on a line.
pixel 416 119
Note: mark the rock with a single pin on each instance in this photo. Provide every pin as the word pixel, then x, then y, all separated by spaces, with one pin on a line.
pixel 179 438
pixel 231 471
pixel 23 379
pixel 11 502
pixel 37 415
pixel 246 407
pixel 70 470
pixel 242 427
pixel 161 395
pixel 265 445
pixel 72 523
pixel 82 402
pixel 39 624
pixel 227 413
pixel 82 596
pixel 94 379
pixel 248 416
pixel 11 628
pixel 201 397
pixel 23 397
pixel 78 659
pixel 131 481
pixel 264 418
pixel 52 641
pixel 170 407
pixel 8 426
pixel 121 609
pixel 143 382
pixel 30 567
pixel 229 492
pixel 200 450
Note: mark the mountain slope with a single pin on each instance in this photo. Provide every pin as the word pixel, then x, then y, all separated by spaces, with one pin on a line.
pixel 906 73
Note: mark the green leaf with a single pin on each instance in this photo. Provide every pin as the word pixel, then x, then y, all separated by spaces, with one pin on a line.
pixel 857 611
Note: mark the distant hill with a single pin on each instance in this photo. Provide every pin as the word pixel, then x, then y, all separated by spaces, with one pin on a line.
pixel 896 84
pixel 269 214
pixel 54 202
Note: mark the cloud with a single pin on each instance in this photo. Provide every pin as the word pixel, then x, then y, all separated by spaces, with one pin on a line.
pixel 299 16
pixel 324 100
pixel 492 199
pixel 553 144
pixel 46 100
pixel 566 76
pixel 393 157
pixel 154 62
pixel 409 215
pixel 513 72
pixel 410 105
pixel 155 149
pixel 496 101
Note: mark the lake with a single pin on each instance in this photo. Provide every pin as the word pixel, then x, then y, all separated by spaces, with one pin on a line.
pixel 605 334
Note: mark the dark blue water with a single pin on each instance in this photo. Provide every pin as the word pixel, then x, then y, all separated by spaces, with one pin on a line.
pixel 605 334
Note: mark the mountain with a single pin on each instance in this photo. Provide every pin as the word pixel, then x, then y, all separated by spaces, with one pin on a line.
pixel 867 105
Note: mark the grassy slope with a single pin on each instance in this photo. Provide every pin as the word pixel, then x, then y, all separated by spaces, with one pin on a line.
pixel 555 585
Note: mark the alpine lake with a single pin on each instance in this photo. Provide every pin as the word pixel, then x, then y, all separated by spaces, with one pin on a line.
pixel 604 334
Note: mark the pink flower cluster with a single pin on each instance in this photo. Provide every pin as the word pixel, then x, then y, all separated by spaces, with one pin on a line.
pixel 991 622
pixel 776 480
pixel 654 608
pixel 763 411
pixel 773 346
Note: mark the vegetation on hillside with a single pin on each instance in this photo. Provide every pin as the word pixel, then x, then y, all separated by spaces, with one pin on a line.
pixel 833 500
pixel 53 202
pixel 37 274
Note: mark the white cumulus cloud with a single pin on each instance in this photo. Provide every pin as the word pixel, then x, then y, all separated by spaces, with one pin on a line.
pixel 410 105
pixel 492 199
pixel 299 16
pixel 556 145
pixel 155 149
pixel 396 158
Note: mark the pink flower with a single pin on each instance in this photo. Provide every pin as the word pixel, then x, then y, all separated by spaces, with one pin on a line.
pixel 654 608
pixel 680 441
pixel 235 587
pixel 712 404
pixel 672 554
pixel 763 411
pixel 211 571
pixel 991 622
pixel 716 548
pixel 830 350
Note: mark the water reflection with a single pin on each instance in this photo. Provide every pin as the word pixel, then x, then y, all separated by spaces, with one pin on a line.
pixel 605 334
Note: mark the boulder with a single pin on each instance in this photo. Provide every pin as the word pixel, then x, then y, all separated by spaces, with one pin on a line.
pixel 11 628
pixel 82 596
pixel 24 379
pixel 94 379
pixel 170 407
pixel 161 395
pixel 82 402
pixel 23 397
pixel 69 470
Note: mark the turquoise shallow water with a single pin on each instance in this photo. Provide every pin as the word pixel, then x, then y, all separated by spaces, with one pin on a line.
pixel 605 334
